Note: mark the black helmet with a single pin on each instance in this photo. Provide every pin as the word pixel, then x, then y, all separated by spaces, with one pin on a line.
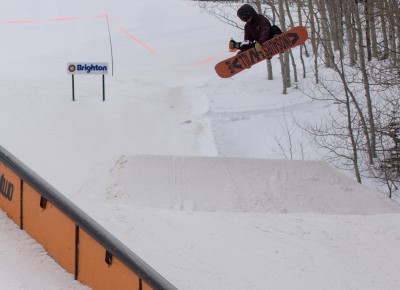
pixel 245 12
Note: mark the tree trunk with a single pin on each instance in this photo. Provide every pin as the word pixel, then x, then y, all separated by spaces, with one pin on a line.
pixel 285 66
pixel 382 5
pixel 365 79
pixel 367 28
pixel 312 27
pixel 326 34
pixel 350 35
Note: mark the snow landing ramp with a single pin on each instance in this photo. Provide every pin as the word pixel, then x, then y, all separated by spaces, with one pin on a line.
pixel 240 185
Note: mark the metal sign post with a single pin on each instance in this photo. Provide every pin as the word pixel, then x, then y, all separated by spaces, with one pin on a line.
pixel 104 90
pixel 85 68
pixel 73 88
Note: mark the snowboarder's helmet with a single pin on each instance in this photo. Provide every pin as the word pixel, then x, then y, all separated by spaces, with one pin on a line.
pixel 245 12
pixel 244 16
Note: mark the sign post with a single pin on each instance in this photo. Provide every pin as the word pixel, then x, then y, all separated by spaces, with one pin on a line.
pixel 104 90
pixel 88 68
pixel 73 88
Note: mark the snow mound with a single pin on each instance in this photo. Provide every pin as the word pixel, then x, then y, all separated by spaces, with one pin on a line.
pixel 239 184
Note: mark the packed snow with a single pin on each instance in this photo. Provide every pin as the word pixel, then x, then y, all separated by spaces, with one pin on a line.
pixel 190 171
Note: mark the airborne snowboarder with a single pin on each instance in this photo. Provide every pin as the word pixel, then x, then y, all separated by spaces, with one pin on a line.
pixel 257 29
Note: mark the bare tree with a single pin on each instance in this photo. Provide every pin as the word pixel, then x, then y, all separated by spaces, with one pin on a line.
pixel 365 79
pixel 284 58
pixel 360 41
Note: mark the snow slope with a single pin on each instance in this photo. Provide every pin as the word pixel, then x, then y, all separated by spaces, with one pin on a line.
pixel 144 163
pixel 237 223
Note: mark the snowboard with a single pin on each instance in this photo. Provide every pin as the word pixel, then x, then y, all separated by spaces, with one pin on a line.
pixel 244 60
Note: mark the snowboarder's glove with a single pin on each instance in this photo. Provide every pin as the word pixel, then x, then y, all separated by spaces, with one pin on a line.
pixel 233 44
pixel 258 47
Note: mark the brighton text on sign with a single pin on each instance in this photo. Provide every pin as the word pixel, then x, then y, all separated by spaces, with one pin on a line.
pixel 88 68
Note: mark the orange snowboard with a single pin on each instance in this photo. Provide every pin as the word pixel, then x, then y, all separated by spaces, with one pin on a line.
pixel 287 40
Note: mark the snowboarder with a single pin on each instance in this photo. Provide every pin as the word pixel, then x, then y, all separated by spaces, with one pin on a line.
pixel 257 29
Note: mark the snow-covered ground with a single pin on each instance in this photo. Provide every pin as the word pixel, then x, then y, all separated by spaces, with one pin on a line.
pixel 179 164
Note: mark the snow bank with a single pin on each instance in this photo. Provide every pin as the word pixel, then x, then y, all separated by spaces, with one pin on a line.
pixel 238 184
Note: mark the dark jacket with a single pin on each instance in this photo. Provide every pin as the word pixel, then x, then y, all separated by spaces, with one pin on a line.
pixel 258 28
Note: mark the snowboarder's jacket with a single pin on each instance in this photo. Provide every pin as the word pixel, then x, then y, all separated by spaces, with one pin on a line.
pixel 258 28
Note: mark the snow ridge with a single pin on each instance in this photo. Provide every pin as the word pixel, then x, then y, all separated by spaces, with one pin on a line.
pixel 240 185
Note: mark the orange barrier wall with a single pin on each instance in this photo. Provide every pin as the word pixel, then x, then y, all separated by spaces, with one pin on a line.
pixel 71 237
pixel 49 227
pixel 111 275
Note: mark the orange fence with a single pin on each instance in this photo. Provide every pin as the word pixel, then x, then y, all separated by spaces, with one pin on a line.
pixel 77 242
